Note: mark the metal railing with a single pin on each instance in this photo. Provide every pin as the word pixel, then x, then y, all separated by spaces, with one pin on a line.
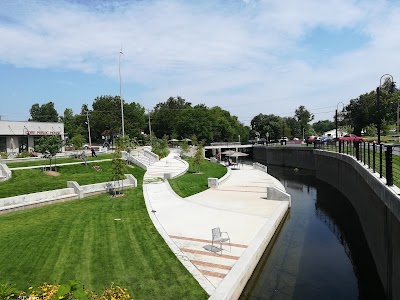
pixel 383 159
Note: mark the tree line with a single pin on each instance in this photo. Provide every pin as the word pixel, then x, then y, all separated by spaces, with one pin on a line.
pixel 177 118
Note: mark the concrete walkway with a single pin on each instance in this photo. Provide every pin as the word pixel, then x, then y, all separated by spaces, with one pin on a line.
pixel 238 206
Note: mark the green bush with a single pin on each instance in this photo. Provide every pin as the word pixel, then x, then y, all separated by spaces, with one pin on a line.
pixel 23 154
pixel 3 155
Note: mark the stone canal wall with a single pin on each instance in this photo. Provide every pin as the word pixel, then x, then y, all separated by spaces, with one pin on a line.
pixel 377 205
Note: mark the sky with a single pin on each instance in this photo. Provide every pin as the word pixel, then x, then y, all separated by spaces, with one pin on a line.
pixel 246 56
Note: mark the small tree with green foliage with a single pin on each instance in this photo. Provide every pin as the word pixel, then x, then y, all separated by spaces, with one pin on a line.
pixel 78 141
pixel 198 158
pixel 130 144
pixel 194 139
pixel 185 146
pixel 160 146
pixel 118 164
pixel 49 144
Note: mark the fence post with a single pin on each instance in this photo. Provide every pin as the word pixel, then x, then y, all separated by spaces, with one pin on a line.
pixel 369 157
pixel 340 146
pixel 373 157
pixel 380 160
pixel 365 158
pixel 357 146
pixel 389 165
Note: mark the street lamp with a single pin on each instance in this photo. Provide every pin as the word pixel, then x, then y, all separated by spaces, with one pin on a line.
pixel 336 116
pixel 120 93
pixel 378 102
pixel 88 128
pixel 398 125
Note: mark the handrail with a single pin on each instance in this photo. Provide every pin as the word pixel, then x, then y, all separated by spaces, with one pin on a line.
pixel 383 158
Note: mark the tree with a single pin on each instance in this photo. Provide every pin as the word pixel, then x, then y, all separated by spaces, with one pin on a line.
pixel 323 126
pixel 195 121
pixel 43 113
pixel 303 116
pixel 118 164
pixel 160 146
pixel 50 143
pixel 264 124
pixel 166 115
pixel 198 158
pixel 77 141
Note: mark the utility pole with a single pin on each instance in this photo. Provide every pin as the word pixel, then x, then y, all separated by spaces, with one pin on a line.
pixel 88 126
pixel 398 125
pixel 149 124
pixel 120 93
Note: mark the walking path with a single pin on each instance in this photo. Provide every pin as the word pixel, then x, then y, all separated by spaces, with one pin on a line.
pixel 238 206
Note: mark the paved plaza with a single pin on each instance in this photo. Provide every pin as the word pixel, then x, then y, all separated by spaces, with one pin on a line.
pixel 239 206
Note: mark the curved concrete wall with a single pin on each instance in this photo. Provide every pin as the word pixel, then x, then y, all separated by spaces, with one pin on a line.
pixel 377 205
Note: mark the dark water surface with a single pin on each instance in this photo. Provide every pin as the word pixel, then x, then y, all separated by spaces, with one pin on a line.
pixel 320 251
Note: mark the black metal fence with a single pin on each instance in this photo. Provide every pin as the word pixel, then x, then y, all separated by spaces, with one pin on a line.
pixel 383 159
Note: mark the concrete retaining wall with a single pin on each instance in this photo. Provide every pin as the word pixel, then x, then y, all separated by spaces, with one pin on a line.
pixel 73 191
pixel 260 167
pixel 152 156
pixel 377 205
pixel 277 194
pixel 134 160
pixel 296 157
pixel 5 172
pixel 15 202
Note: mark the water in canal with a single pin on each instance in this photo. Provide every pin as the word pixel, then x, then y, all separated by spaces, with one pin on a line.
pixel 320 251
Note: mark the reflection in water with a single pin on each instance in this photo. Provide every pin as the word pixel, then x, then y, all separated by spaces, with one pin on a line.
pixel 320 251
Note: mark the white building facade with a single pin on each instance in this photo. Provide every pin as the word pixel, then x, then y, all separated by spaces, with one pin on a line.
pixel 16 136
pixel 332 133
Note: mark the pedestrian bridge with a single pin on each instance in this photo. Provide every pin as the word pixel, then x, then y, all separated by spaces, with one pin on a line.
pixel 219 146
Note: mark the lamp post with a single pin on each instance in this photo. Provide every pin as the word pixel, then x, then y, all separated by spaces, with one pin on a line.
pixel 120 93
pixel 398 125
pixel 88 128
pixel 336 117
pixel 378 102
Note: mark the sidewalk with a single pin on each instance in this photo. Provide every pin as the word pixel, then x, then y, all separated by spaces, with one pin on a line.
pixel 238 206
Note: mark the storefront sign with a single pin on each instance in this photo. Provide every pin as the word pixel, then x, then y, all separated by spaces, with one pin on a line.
pixel 43 132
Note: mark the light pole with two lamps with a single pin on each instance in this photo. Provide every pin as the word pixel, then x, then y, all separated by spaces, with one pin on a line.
pixel 336 117
pixel 378 102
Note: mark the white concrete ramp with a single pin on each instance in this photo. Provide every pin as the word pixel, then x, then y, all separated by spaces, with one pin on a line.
pixel 239 206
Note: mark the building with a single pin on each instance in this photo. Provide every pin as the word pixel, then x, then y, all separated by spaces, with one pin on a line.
pixel 16 136
pixel 332 133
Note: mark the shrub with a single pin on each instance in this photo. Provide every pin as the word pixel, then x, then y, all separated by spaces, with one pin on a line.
pixel 72 290
pixel 23 154
pixel 3 155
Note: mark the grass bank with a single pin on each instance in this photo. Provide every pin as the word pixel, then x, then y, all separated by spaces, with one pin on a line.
pixel 61 160
pixel 192 183
pixel 34 180
pixel 81 240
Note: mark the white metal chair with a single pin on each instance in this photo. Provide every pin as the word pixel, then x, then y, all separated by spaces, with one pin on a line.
pixel 220 237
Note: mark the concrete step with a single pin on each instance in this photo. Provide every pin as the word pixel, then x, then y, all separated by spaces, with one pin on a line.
pixel 208 258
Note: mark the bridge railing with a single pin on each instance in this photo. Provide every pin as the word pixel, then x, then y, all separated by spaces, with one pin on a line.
pixel 383 159
pixel 225 144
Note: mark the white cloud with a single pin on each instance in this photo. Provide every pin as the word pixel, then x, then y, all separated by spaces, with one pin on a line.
pixel 247 52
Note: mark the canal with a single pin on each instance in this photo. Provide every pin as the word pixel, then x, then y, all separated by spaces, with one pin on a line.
pixel 319 252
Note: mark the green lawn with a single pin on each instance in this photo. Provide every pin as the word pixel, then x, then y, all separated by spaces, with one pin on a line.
pixel 81 240
pixel 192 183
pixel 34 180
pixel 42 161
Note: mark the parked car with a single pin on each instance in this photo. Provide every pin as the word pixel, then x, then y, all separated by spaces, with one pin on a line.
pixel 283 140
pixel 351 138
pixel 310 139
pixel 326 139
